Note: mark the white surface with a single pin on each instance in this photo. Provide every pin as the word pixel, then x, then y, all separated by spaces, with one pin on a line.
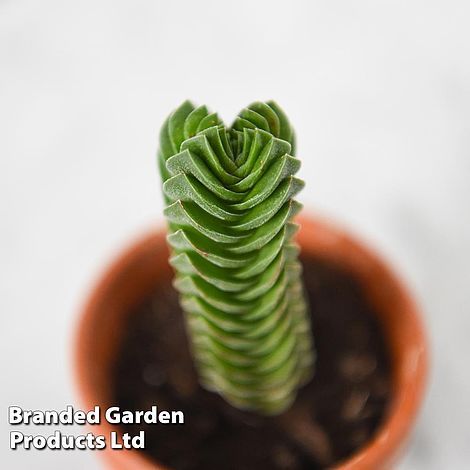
pixel 379 94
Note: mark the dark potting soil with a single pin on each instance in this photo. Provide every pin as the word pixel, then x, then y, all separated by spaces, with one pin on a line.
pixel 333 416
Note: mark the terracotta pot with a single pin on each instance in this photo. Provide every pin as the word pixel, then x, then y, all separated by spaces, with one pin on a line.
pixel 135 273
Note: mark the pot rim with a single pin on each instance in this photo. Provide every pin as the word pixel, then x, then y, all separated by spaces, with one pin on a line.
pixel 408 376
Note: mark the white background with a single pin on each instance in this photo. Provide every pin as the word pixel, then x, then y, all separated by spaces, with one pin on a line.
pixel 379 93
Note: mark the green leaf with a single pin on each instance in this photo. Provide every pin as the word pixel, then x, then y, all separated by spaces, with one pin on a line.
pixel 229 195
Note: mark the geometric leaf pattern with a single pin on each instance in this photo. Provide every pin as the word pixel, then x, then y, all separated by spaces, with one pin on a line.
pixel 229 196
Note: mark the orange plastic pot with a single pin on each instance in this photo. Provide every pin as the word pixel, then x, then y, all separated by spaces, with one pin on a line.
pixel 137 271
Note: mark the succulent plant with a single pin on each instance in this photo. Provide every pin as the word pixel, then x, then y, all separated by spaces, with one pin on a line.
pixel 229 205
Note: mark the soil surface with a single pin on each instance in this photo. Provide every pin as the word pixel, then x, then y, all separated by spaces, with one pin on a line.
pixel 333 416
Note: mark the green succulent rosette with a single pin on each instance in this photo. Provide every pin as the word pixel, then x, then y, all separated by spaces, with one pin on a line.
pixel 229 195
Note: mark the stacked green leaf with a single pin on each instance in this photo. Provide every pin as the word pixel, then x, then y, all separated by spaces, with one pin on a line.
pixel 229 195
